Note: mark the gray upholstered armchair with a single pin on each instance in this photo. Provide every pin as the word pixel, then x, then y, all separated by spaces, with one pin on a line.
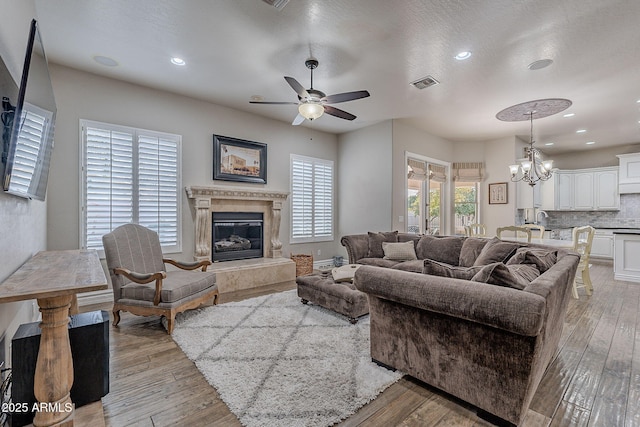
pixel 141 283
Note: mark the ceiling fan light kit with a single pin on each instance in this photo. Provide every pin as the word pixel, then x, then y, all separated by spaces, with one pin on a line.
pixel 314 103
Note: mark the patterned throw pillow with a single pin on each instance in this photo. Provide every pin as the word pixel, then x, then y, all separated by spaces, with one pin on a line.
pixel 375 242
pixel 441 269
pixel 516 276
pixel 399 251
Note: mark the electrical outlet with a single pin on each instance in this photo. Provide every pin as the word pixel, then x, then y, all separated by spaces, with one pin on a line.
pixel 319 252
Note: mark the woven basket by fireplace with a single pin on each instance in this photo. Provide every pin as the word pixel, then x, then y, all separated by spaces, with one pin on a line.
pixel 304 264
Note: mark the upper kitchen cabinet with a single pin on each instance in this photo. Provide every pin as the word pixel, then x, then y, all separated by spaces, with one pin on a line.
pixel 629 179
pixel 582 190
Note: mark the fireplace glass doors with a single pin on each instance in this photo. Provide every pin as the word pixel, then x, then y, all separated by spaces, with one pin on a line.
pixel 236 235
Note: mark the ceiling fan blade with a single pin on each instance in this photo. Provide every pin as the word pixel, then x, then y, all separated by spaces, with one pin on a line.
pixel 338 113
pixel 344 97
pixel 298 120
pixel 273 102
pixel 300 90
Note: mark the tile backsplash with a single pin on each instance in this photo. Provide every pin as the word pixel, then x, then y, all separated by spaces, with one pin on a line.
pixel 627 217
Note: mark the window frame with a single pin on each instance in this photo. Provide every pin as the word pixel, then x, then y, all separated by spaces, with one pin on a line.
pixel 135 132
pixel 478 188
pixel 315 162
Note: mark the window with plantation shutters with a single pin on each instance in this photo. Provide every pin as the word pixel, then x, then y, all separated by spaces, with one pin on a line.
pixel 130 176
pixel 311 199
pixel 34 125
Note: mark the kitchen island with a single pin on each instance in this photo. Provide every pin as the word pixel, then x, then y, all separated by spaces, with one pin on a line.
pixel 626 257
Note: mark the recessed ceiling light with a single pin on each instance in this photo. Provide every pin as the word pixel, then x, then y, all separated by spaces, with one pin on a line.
pixel 548 144
pixel 105 60
pixel 542 63
pixel 257 98
pixel 590 142
pixel 569 115
pixel 581 131
pixel 178 61
pixel 461 56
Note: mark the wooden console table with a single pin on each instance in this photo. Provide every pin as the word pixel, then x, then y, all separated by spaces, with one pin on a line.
pixel 54 278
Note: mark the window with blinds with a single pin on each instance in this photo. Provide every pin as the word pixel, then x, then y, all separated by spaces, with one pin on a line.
pixel 311 199
pixel 130 176
pixel 34 124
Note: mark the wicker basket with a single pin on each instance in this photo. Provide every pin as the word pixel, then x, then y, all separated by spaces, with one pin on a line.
pixel 304 264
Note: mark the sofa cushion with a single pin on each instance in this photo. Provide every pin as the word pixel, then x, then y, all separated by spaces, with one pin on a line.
pixel 436 268
pixel 516 276
pixel 496 250
pixel 414 266
pixel 471 248
pixel 375 242
pixel 543 259
pixel 378 262
pixel 404 251
pixel 443 249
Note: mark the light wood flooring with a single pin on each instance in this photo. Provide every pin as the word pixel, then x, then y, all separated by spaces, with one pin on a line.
pixel 593 381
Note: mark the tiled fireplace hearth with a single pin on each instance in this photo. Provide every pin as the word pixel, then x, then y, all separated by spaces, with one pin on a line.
pixel 236 275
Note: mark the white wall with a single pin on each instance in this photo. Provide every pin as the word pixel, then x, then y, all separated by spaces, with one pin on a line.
pixel 81 95
pixel 593 158
pixel 364 179
pixel 22 222
pixel 499 154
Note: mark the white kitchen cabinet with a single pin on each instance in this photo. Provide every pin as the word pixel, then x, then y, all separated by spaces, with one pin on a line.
pixel 602 245
pixel 528 196
pixel 606 189
pixel 629 179
pixel 583 190
pixel 564 191
pixel 626 262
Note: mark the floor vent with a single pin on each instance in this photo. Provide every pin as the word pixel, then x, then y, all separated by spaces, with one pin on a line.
pixel 425 82
pixel 278 4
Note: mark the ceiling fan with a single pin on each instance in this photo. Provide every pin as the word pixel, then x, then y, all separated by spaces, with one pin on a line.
pixel 313 103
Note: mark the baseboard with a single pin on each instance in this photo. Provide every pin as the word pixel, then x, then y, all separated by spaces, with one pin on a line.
pixel 96 297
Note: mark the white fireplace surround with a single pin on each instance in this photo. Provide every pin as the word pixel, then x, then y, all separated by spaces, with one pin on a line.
pixel 232 199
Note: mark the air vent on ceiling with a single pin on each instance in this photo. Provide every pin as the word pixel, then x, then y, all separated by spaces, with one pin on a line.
pixel 278 4
pixel 425 82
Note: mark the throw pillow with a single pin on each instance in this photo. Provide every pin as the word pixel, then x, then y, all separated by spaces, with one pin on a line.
pixel 541 258
pixel 470 251
pixel 444 249
pixel 375 242
pixel 399 251
pixel 496 250
pixel 516 276
pixel 441 269
pixel 344 273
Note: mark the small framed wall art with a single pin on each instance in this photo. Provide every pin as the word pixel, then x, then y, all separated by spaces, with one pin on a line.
pixel 498 193
pixel 239 160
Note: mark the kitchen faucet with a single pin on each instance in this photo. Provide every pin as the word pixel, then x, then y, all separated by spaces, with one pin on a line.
pixel 546 215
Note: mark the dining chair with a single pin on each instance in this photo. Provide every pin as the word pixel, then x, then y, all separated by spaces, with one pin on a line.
pixel 582 240
pixel 475 230
pixel 535 227
pixel 517 231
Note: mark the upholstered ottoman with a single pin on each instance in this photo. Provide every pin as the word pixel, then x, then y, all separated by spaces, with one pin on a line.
pixel 341 297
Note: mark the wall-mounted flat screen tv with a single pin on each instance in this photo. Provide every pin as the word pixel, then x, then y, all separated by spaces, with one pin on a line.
pixel 27 136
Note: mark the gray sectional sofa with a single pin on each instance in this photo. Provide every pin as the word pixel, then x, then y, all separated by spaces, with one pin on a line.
pixel 485 338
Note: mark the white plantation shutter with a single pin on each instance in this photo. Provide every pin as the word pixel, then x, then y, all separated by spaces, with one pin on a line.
pixel 158 186
pixel 311 199
pixel 34 122
pixel 130 176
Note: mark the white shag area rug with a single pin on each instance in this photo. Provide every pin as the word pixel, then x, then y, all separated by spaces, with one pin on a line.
pixel 277 362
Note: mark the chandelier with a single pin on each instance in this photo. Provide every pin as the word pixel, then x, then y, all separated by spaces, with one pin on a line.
pixel 533 168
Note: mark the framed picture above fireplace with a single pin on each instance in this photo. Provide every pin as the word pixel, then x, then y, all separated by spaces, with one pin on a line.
pixel 239 160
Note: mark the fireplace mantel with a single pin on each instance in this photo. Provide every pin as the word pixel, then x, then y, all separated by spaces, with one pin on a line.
pixel 233 199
